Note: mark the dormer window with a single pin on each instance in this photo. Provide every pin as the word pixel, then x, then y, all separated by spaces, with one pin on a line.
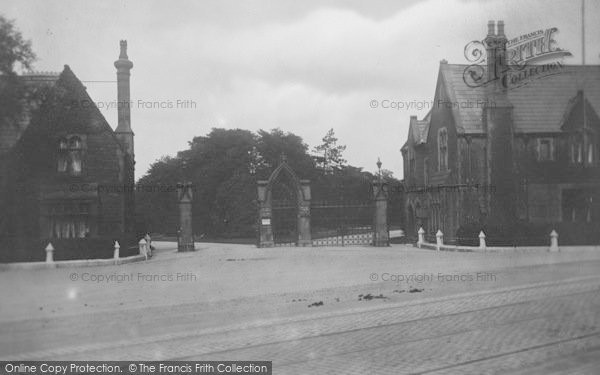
pixel 442 149
pixel 70 155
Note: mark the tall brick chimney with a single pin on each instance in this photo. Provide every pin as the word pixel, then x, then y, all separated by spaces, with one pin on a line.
pixel 497 117
pixel 496 55
pixel 125 136
pixel 123 131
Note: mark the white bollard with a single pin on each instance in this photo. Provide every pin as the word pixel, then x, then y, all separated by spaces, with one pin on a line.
pixel 421 240
pixel 554 241
pixel 116 253
pixel 148 244
pixel 482 240
pixel 439 239
pixel 49 253
pixel 143 249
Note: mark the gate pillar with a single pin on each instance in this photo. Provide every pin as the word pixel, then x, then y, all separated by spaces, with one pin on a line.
pixel 185 234
pixel 265 228
pixel 304 238
pixel 381 235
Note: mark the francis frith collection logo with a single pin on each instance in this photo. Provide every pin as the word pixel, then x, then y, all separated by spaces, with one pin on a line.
pixel 529 56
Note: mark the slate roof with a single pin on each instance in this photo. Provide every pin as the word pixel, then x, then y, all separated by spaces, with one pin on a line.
pixel 418 130
pixel 538 106
pixel 66 99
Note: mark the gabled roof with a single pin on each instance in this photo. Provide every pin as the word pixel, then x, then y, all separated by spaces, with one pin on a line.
pixel 67 107
pixel 573 116
pixel 467 118
pixel 538 106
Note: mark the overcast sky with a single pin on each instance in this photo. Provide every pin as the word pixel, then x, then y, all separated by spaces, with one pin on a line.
pixel 302 66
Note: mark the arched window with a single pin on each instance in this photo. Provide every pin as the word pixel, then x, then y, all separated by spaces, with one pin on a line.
pixel 412 165
pixel 63 155
pixel 577 150
pixel 442 149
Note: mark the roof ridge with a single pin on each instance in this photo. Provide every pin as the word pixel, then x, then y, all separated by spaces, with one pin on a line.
pixel 40 73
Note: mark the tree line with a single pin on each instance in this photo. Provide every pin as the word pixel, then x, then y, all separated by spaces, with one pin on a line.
pixel 224 167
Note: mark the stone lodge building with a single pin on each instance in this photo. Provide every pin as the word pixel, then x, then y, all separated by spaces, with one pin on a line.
pixel 499 154
pixel 63 171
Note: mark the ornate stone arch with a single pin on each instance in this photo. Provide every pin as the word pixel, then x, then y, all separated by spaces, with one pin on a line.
pixel 265 209
pixel 284 168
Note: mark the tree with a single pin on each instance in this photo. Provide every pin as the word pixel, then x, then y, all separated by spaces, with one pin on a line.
pixel 13 50
pixel 329 154
pixel 224 167
pixel 277 143
pixel 388 175
pixel 156 210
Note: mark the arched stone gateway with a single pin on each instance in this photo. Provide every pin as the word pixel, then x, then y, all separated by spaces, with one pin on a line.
pixel 275 214
pixel 284 214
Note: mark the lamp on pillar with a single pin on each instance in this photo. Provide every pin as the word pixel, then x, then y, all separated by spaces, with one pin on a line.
pixel 381 235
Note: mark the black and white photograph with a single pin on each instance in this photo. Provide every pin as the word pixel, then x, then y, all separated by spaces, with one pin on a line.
pixel 299 187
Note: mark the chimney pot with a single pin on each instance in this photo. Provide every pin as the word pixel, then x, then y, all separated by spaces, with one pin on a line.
pixel 491 28
pixel 123 54
pixel 500 28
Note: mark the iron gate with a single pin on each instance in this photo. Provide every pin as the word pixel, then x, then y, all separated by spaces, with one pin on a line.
pixel 285 223
pixel 284 207
pixel 341 223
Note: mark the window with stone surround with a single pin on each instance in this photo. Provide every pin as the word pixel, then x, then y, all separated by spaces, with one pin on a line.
pixel 577 150
pixel 68 219
pixel 578 205
pixel 70 155
pixel 545 149
pixel 63 155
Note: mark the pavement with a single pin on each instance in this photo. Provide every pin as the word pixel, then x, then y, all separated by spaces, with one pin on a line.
pixel 317 310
